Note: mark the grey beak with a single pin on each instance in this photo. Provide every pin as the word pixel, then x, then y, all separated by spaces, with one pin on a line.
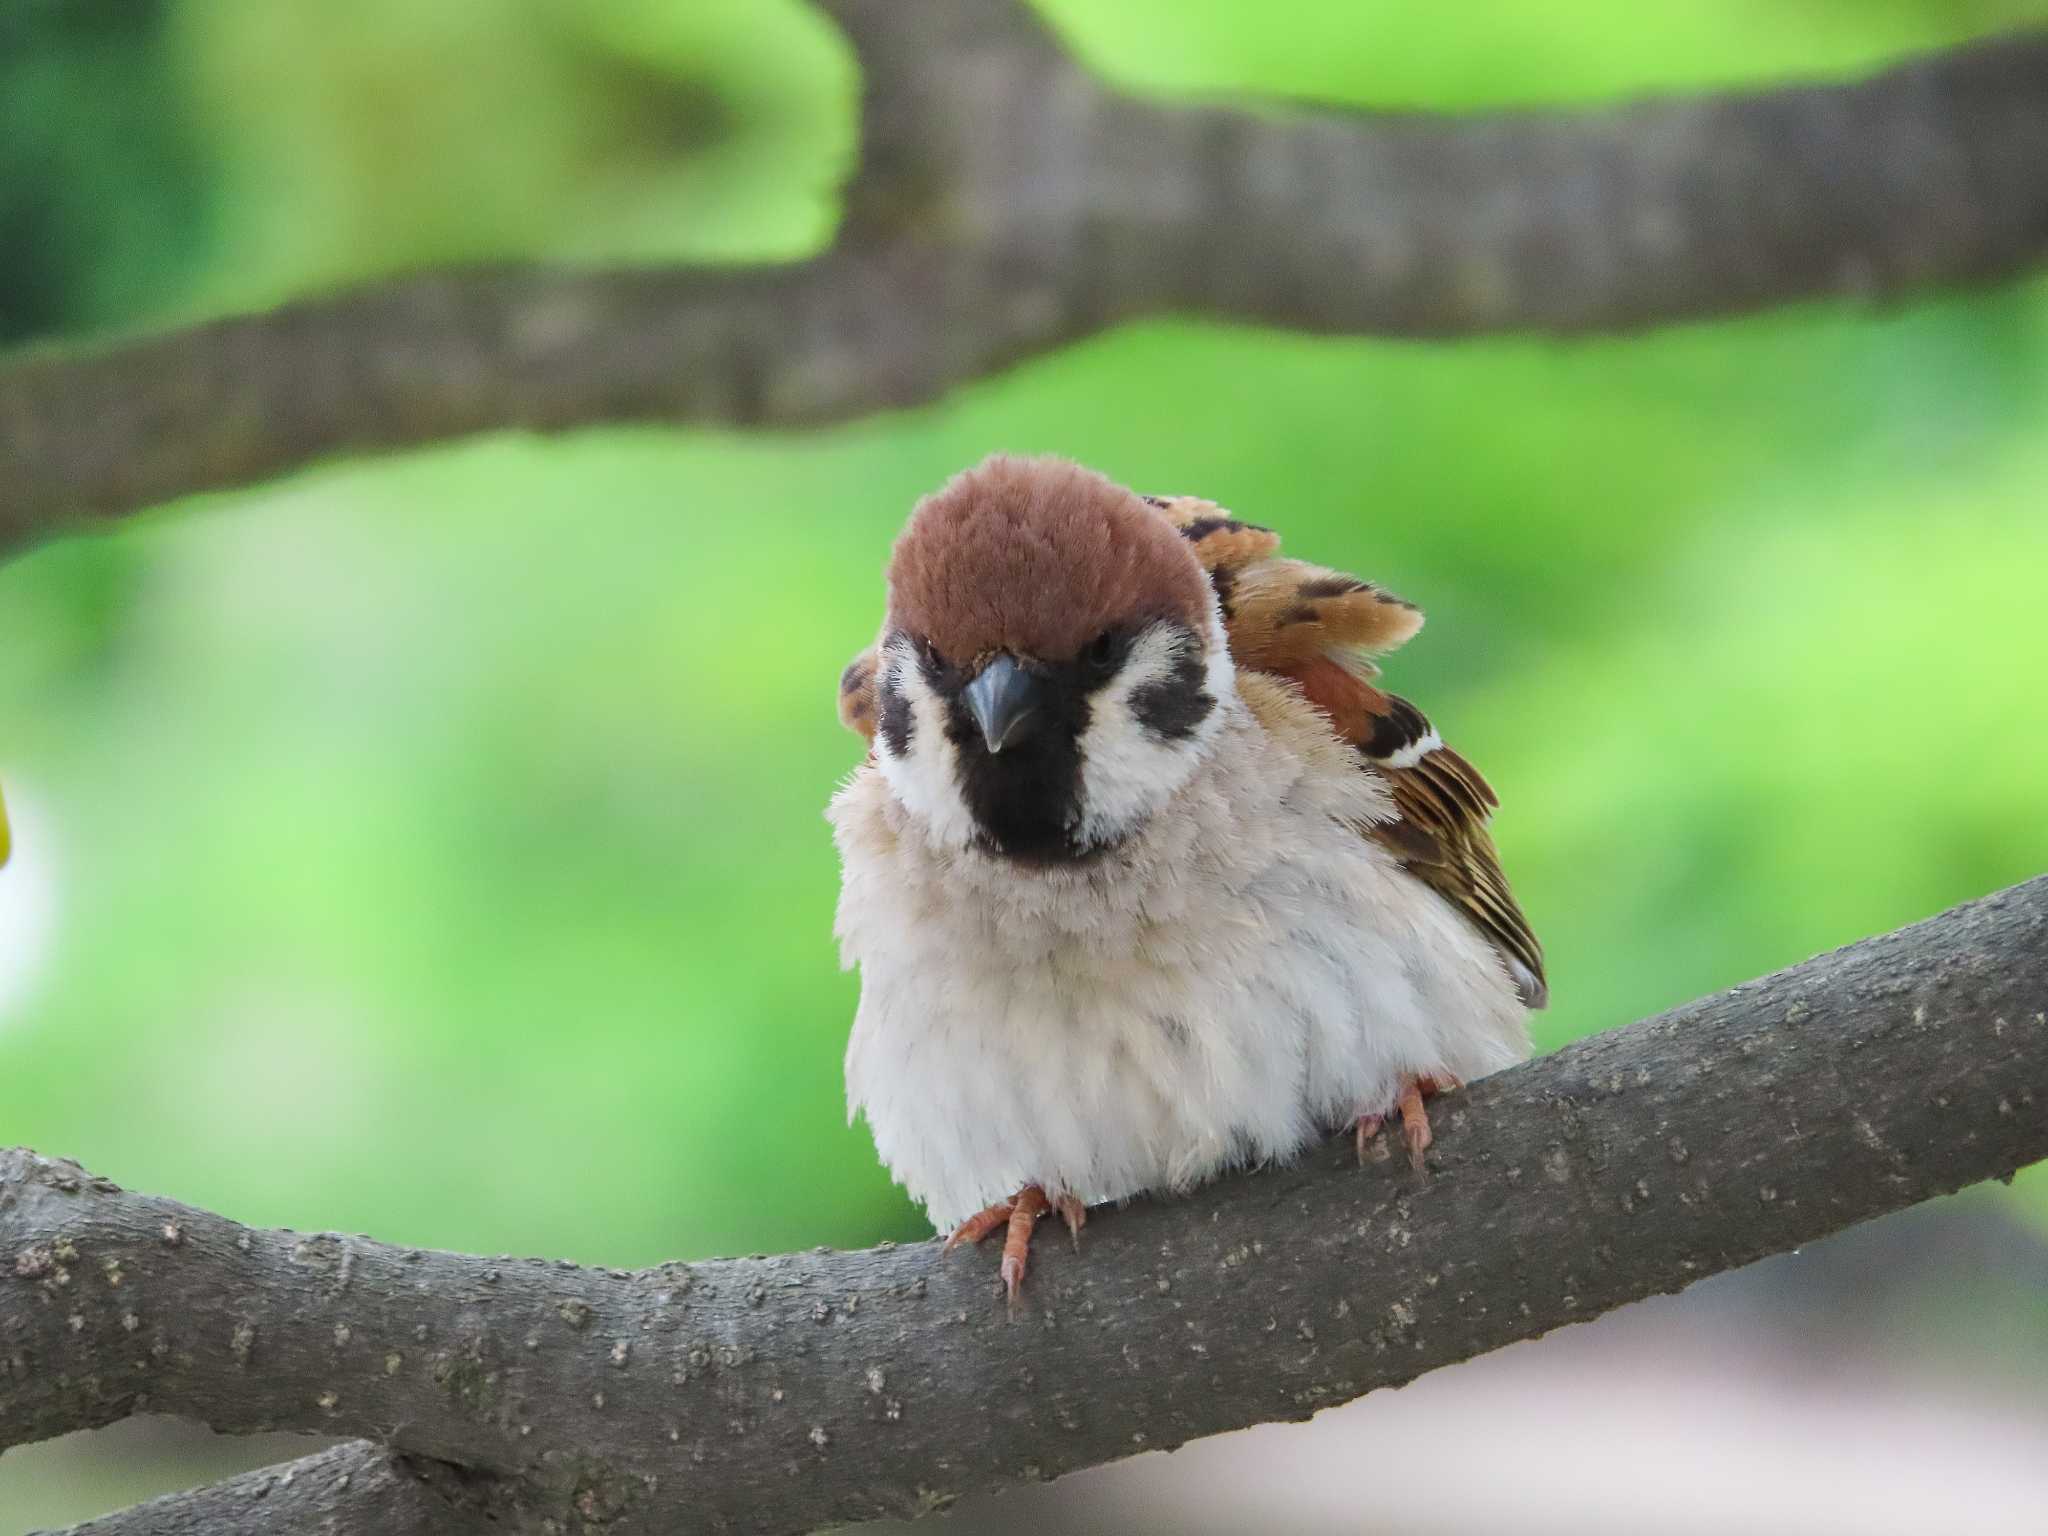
pixel 1004 701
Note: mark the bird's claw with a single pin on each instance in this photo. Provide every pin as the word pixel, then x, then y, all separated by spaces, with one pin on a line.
pixel 1016 1218
pixel 981 1224
pixel 1074 1214
pixel 1413 1112
pixel 1367 1128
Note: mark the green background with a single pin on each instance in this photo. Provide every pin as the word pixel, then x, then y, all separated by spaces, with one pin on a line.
pixel 432 847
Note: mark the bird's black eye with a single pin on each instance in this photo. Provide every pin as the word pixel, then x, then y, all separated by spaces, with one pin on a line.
pixel 1105 653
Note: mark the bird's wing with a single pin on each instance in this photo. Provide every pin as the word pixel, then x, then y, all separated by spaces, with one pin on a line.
pixel 1320 629
pixel 857 695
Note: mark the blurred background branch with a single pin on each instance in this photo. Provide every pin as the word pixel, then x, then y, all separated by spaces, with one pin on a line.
pixel 891 1381
pixel 1005 202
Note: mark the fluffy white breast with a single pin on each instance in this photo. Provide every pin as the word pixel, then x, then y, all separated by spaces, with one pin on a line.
pixel 1241 974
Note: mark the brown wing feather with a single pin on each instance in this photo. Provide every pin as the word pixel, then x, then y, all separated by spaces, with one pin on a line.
pixel 857 695
pixel 1442 839
pixel 1317 628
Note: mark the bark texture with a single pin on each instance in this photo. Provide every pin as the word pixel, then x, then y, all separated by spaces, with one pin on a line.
pixel 1006 202
pixel 790 1393
pixel 350 1490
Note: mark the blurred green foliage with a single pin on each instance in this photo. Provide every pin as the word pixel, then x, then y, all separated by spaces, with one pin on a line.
pixel 100 188
pixel 435 844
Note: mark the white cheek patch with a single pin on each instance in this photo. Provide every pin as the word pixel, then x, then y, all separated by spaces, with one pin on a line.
pixel 1129 773
pixel 925 778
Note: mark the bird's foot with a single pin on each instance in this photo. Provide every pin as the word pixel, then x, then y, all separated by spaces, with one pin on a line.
pixel 1017 1217
pixel 1408 1104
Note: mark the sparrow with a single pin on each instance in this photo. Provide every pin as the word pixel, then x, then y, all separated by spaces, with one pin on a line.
pixel 1145 877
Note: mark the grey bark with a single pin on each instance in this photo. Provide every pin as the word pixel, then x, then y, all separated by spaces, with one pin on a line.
pixel 1006 202
pixel 349 1490
pixel 785 1394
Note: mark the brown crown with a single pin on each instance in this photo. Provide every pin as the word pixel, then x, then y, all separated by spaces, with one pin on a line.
pixel 1037 557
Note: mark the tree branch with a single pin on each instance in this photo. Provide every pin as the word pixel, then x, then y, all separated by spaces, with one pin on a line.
pixel 349 1490
pixel 784 1394
pixel 1006 202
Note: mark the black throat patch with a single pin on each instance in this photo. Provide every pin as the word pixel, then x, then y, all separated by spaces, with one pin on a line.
pixel 1026 799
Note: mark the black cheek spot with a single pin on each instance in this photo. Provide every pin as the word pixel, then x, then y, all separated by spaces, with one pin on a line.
pixel 897 723
pixel 855 677
pixel 1172 706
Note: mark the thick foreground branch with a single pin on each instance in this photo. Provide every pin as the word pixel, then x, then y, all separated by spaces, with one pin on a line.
pixel 1007 202
pixel 785 1394
pixel 351 1490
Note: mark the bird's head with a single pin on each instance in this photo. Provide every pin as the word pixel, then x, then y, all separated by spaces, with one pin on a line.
pixel 1052 669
